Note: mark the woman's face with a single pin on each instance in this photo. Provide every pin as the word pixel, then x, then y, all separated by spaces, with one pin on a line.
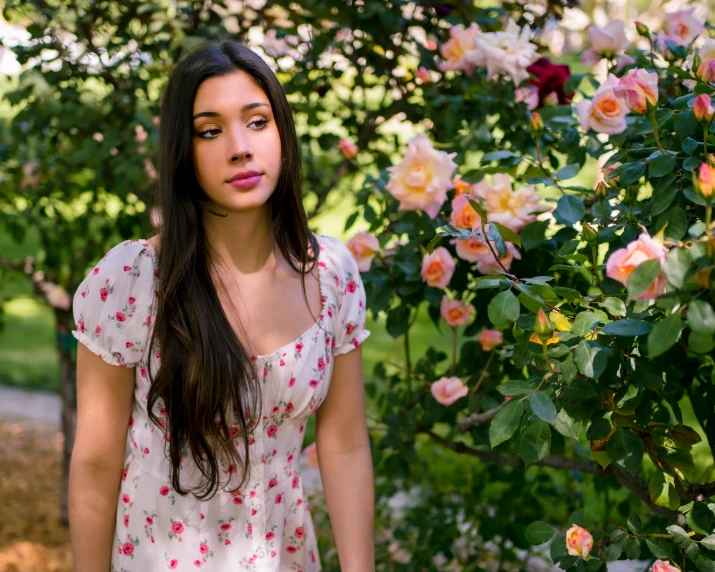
pixel 235 134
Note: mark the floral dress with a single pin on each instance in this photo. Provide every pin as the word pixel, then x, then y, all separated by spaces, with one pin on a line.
pixel 266 526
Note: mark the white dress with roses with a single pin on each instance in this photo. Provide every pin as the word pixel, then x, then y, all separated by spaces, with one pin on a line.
pixel 266 526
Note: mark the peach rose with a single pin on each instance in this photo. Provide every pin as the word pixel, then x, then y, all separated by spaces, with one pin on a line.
pixel 529 95
pixel 578 541
pixel 639 89
pixel 348 148
pixel 438 268
pixel 624 260
pixel 476 250
pixel 461 43
pixel 605 113
pixel 663 566
pixel 421 179
pixel 455 312
pixel 460 186
pixel 706 70
pixel 489 339
pixel 488 263
pixel 682 27
pixel 311 456
pixel 513 209
pixel 703 107
pixel 363 246
pixel 705 181
pixel 423 74
pixel 463 215
pixel 447 390
pixel 608 41
pixel 56 296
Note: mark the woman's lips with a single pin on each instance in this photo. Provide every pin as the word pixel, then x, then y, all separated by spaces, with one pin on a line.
pixel 246 182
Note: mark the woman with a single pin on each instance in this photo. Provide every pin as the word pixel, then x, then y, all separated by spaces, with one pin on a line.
pixel 185 327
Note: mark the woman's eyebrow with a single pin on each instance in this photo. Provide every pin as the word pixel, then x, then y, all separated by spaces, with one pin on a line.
pixel 245 108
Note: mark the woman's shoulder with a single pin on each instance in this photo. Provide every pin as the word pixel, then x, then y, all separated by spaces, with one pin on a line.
pixel 334 252
pixel 133 256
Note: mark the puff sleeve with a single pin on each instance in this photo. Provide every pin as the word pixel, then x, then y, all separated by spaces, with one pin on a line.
pixel 114 305
pixel 349 329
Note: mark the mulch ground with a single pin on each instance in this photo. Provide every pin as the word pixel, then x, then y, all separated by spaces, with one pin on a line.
pixel 31 536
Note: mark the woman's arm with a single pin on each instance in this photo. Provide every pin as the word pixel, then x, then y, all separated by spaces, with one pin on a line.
pixel 104 405
pixel 346 464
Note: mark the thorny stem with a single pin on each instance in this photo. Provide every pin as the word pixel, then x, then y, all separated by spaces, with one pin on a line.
pixel 651 116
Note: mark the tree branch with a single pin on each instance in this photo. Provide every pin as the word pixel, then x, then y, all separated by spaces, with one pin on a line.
pixel 476 419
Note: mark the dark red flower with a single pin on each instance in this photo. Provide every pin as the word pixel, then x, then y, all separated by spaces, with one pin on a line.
pixel 550 79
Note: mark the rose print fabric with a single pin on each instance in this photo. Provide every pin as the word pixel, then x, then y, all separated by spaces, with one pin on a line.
pixel 266 526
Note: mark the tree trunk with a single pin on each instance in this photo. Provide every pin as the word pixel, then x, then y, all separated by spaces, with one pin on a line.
pixel 65 345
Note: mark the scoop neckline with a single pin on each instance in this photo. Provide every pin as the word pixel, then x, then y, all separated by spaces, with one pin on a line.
pixel 318 322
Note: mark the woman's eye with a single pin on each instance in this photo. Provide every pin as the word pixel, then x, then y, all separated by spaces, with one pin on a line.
pixel 263 122
pixel 212 132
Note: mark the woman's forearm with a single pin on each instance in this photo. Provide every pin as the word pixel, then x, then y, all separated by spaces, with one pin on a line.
pixel 93 494
pixel 348 483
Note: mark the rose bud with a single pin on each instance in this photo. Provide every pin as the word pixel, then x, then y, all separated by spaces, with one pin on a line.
pixel 578 541
pixel 590 234
pixel 705 181
pixel 642 30
pixel 703 108
pixel 537 123
pixel 639 89
pixel 543 327
pixel 706 71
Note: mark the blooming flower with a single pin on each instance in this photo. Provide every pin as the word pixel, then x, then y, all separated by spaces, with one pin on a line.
pixel 513 209
pixel 663 566
pixel 578 541
pixel 624 260
pixel 348 148
pixel 549 79
pixel 421 179
pixel 605 113
pixel 455 51
pixel 489 339
pixel 508 51
pixel 680 27
pixel 447 390
pixel 529 95
pixel 455 312
pixel 706 70
pixel 463 215
pixel 639 89
pixel 438 268
pixel 606 42
pixel 363 246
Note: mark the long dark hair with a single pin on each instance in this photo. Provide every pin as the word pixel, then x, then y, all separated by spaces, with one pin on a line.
pixel 205 377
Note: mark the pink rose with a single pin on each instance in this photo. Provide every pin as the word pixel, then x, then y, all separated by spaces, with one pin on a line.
pixel 120 316
pixel 624 260
pixel 578 541
pixel 127 548
pixel 226 526
pixel 95 271
pixel 351 286
pixel 279 498
pixel 420 181
pixel 455 312
pixel 173 564
pixel 639 89
pixel 460 52
pixel 177 527
pixel 682 27
pixel 249 529
pixel 197 563
pixel 299 532
pixel 103 293
pixel 126 520
pixel 703 108
pixel 203 548
pixel 125 498
pixel 131 300
pixel 423 74
pixel 348 148
pixel 489 339
pixel 706 70
pixel 321 364
pixel 291 549
pixel 605 113
pixel 289 407
pixel 662 566
pixel 270 535
pixel 463 215
pixel 296 482
pixel 512 208
pixel 311 456
pixel 149 520
pixel 97 330
pixel 271 431
pixel 438 268
pixel 447 390
pixel 363 246
pixel 529 95
pixel 272 483
pixel 608 41
pixel 705 181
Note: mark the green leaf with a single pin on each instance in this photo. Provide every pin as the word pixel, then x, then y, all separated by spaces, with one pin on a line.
pixel 679 534
pixel 534 443
pixel 614 306
pixel 505 423
pixel 664 335
pixel 515 387
pixel 661 489
pixel 532 235
pixel 704 564
pixel 708 542
pixel 503 309
pixel 567 172
pixel 590 359
pixel 506 233
pixel 631 172
pixel 691 163
pixel 538 532
pixel 658 548
pixel 558 550
pixel 685 123
pixel 498 155
pixel 662 199
pixel 613 552
pixel 626 328
pixel 633 548
pixel 634 523
pixel 701 317
pixel 700 519
pixel 641 279
pixel 689 145
pixel 543 407
pixel 494 235
pixel 569 210
pixel 676 221
pixel 677 264
pixel 625 449
pixel 567 426
pixel 585 322
pixel 661 165
pixel 700 344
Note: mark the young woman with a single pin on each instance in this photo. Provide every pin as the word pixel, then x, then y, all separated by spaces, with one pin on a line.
pixel 178 358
